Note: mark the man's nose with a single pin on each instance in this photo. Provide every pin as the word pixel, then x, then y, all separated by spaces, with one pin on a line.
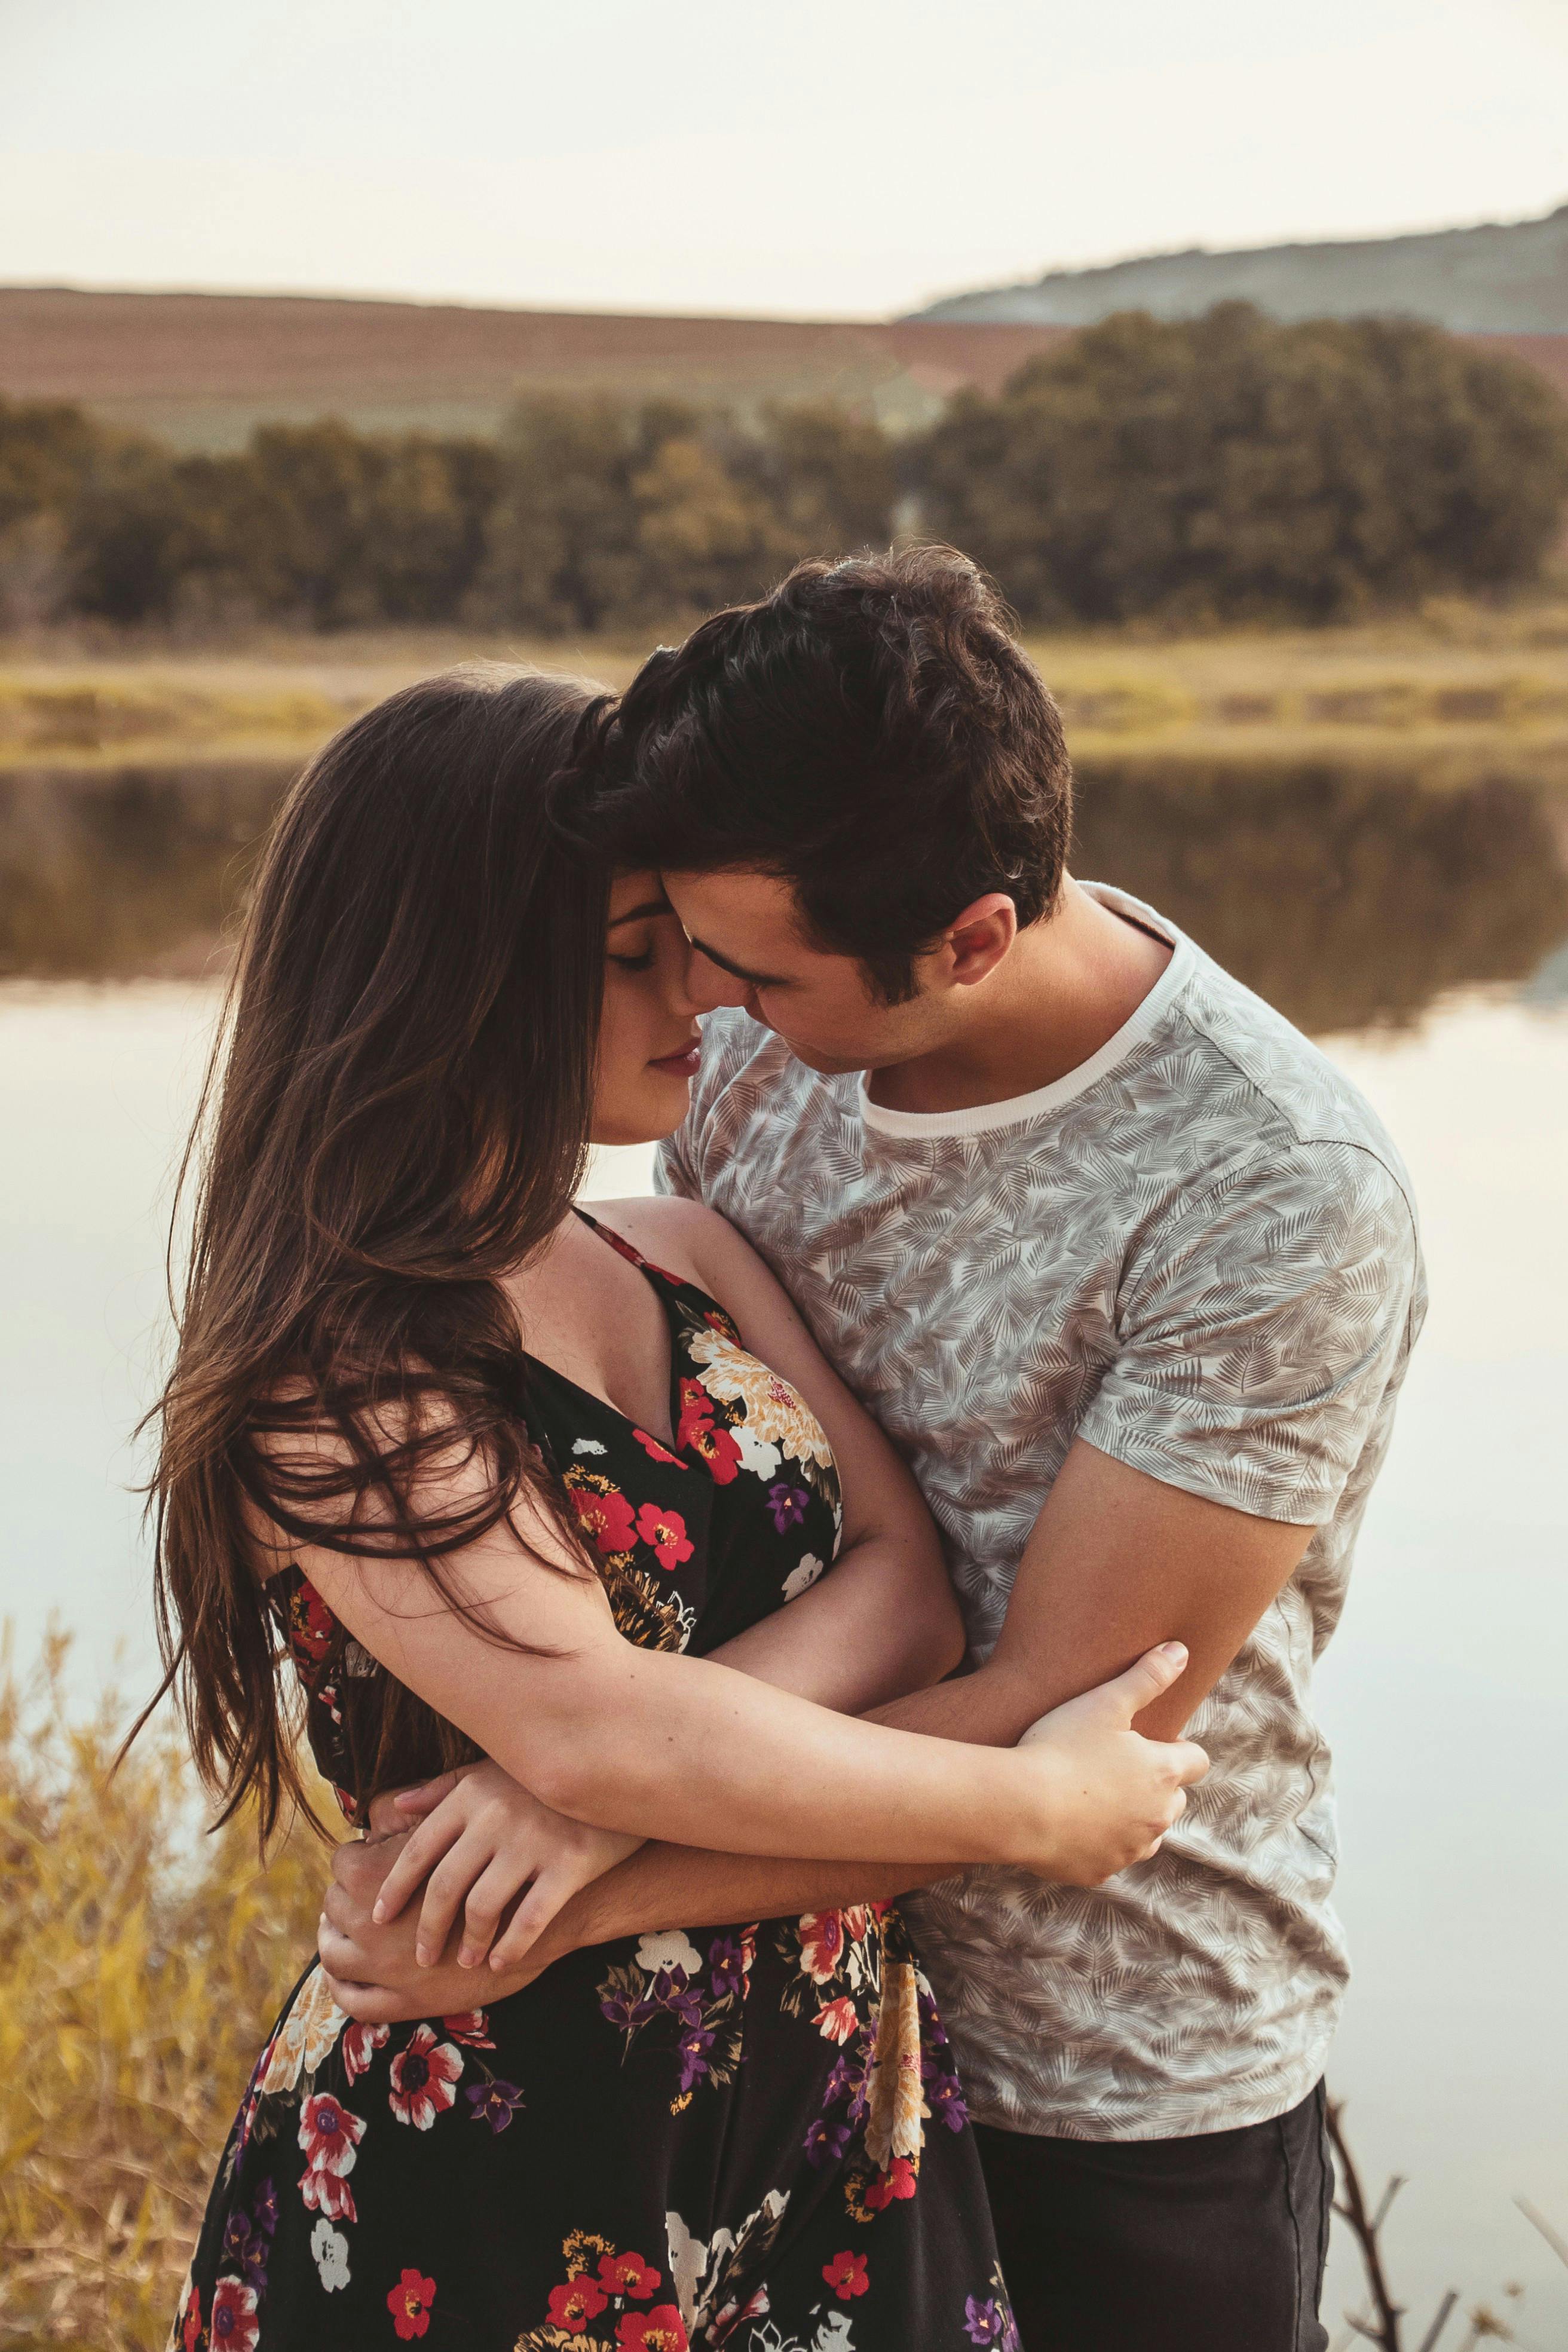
pixel 708 984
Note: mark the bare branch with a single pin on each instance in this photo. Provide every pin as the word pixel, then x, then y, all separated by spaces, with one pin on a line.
pixel 1537 2221
pixel 1444 2311
pixel 1386 2331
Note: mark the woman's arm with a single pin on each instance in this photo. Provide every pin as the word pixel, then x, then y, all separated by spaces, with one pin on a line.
pixel 691 1751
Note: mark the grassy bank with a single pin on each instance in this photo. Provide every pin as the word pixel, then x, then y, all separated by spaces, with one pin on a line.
pixel 1453 689
pixel 140 1972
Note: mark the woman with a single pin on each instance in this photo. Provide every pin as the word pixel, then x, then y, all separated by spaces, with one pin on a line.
pixel 506 1489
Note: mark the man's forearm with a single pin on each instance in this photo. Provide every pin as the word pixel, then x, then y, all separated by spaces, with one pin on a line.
pixel 678 1886
pixel 991 1707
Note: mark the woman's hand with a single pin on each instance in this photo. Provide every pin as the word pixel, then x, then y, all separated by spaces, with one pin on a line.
pixel 480 1841
pixel 1109 1795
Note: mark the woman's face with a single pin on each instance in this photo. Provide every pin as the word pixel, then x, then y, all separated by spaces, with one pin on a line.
pixel 648 1038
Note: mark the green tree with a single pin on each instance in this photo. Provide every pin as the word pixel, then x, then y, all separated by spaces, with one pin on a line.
pixel 47 448
pixel 829 474
pixel 427 505
pixel 1230 466
pixel 562 544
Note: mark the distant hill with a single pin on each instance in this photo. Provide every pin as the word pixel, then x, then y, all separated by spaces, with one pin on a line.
pixel 1508 279
pixel 202 369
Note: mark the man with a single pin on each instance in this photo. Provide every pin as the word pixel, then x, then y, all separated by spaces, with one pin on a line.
pixel 1131 1275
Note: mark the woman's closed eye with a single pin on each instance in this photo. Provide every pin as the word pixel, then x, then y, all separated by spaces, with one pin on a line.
pixel 642 962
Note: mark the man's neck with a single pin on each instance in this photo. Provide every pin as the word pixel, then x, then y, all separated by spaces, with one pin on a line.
pixel 1068 983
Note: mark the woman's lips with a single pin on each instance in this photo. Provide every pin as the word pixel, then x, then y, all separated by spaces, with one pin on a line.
pixel 683 1064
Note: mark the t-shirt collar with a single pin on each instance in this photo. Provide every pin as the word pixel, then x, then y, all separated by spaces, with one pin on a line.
pixel 983 1119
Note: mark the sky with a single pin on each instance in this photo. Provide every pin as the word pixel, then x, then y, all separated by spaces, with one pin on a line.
pixel 830 158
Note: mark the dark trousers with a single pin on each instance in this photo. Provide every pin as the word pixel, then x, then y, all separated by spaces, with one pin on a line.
pixel 1210 2244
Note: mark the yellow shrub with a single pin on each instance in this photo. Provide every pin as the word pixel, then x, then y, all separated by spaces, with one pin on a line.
pixel 140 1966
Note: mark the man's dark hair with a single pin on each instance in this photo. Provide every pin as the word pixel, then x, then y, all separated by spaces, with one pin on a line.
pixel 872 733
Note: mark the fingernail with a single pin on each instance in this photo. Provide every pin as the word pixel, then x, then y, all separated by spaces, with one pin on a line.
pixel 1172 1649
pixel 379 1915
pixel 467 1959
pixel 422 1956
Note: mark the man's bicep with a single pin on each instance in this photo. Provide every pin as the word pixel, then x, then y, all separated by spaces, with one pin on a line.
pixel 1119 1561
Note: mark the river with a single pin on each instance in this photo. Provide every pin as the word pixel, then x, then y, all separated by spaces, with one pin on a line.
pixel 1422 935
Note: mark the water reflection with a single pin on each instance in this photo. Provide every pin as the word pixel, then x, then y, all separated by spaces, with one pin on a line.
pixel 130 874
pixel 1349 899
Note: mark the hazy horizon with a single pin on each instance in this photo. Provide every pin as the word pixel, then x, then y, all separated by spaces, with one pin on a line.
pixel 854 163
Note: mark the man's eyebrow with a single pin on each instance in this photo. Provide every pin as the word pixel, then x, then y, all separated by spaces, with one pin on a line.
pixel 637 914
pixel 738 970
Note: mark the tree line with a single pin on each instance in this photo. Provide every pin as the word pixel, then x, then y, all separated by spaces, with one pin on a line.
pixel 1221 469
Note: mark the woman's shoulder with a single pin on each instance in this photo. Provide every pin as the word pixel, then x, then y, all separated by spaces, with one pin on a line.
pixel 684 1238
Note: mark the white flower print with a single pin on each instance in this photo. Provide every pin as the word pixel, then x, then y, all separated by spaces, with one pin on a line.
pixel 834 2335
pixel 756 1455
pixel 331 2249
pixel 587 1446
pixel 700 2273
pixel 670 1950
pixel 777 1413
pixel 801 1580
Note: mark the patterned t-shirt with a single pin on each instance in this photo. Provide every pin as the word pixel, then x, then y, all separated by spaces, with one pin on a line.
pixel 1198 1251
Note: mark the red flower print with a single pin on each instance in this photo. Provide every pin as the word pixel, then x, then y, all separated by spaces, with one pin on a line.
pixel 846 2274
pixel 470 2026
pixel 899 2180
pixel 359 2046
pixel 409 2303
pixel 572 2306
pixel 422 2079
pixel 310 1626
pixel 665 1531
pixel 191 2334
pixel 695 1433
pixel 655 1452
pixel 628 2274
pixel 821 1943
pixel 662 2330
pixel 330 2137
pixel 233 2321
pixel 607 1518
pixel 837 2021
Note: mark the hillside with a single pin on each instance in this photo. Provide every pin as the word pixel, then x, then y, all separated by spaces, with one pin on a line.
pixel 1506 278
pixel 202 369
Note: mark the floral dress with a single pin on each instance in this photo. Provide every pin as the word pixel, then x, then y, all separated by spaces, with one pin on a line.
pixel 748 2136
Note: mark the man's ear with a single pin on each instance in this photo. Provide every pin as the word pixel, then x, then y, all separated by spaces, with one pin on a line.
pixel 980 936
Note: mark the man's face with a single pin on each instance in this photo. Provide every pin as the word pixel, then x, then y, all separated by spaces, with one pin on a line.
pixel 748 948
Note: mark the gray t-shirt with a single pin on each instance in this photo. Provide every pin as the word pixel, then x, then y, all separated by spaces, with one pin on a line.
pixel 1198 1252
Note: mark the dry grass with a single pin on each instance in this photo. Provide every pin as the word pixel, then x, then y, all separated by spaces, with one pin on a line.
pixel 140 1966
pixel 1449 689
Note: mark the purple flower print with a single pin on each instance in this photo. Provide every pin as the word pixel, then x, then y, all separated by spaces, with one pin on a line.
pixel 983 2322
pixel 944 2093
pixel 787 1504
pixel 494 2103
pixel 826 2142
pixel 694 2045
pixel 625 2011
pixel 266 2208
pixel 727 1963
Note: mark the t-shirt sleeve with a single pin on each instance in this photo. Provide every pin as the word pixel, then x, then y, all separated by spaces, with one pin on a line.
pixel 1259 1327
pixel 674 1167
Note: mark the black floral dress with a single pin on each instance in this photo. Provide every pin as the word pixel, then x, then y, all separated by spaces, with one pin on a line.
pixel 749 2137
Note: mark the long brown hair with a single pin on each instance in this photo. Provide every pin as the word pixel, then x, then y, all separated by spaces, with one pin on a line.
pixel 395 1114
